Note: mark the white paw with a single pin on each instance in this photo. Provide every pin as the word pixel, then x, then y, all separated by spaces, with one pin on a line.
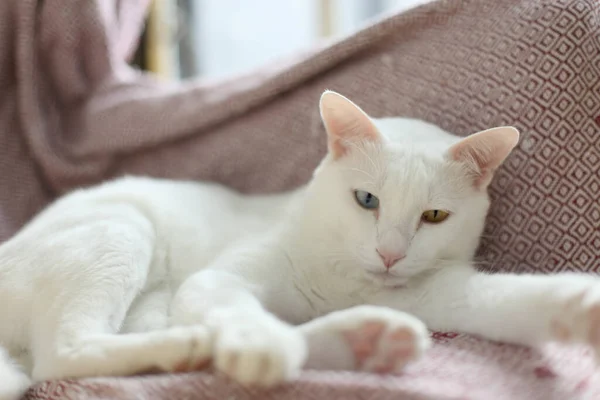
pixel 257 349
pixel 376 339
pixel 578 319
pixel 180 349
pixel 14 388
pixel 13 382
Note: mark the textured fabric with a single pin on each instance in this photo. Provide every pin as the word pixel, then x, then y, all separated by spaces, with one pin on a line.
pixel 72 113
pixel 460 368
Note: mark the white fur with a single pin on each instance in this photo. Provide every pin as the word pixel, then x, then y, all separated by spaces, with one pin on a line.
pixel 141 273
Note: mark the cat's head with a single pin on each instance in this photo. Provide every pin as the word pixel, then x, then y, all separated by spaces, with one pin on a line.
pixel 397 197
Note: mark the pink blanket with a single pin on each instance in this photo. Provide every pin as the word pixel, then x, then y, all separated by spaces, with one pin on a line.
pixel 72 113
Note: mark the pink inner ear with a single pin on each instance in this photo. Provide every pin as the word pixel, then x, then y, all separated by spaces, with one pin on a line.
pixel 344 122
pixel 485 151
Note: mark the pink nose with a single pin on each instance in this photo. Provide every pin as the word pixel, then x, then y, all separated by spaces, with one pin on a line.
pixel 389 259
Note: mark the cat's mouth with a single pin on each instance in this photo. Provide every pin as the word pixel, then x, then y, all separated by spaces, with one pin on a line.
pixel 385 278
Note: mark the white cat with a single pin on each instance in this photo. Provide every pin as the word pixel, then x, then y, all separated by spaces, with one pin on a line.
pixel 144 273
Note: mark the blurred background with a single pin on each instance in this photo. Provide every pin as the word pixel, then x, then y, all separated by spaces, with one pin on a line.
pixel 215 38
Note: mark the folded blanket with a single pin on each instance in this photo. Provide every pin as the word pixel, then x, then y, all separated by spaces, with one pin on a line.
pixel 73 113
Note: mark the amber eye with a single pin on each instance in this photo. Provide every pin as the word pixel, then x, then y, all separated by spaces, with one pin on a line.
pixel 434 216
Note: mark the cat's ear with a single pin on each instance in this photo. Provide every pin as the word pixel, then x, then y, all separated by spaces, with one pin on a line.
pixel 345 122
pixel 484 152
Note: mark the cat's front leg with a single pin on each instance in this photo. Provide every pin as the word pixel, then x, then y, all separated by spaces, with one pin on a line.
pixel 365 338
pixel 521 309
pixel 251 345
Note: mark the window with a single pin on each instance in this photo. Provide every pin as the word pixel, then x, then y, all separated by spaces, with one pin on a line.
pixel 216 38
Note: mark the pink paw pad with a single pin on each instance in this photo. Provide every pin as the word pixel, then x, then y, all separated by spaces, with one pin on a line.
pixel 560 331
pixel 379 351
pixel 363 341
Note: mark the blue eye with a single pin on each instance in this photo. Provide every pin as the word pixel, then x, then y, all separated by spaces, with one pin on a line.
pixel 366 199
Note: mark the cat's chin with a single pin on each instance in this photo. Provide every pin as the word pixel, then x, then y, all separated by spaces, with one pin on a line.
pixel 386 279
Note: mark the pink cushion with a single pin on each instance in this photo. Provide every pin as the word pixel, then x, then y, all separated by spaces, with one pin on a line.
pixel 462 368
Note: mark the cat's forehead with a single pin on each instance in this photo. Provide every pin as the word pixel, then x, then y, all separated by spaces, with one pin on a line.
pixel 412 158
pixel 401 170
pixel 414 150
pixel 412 180
pixel 415 133
pixel 385 169
pixel 410 168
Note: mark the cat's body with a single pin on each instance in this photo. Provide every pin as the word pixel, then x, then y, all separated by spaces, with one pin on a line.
pixel 186 272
